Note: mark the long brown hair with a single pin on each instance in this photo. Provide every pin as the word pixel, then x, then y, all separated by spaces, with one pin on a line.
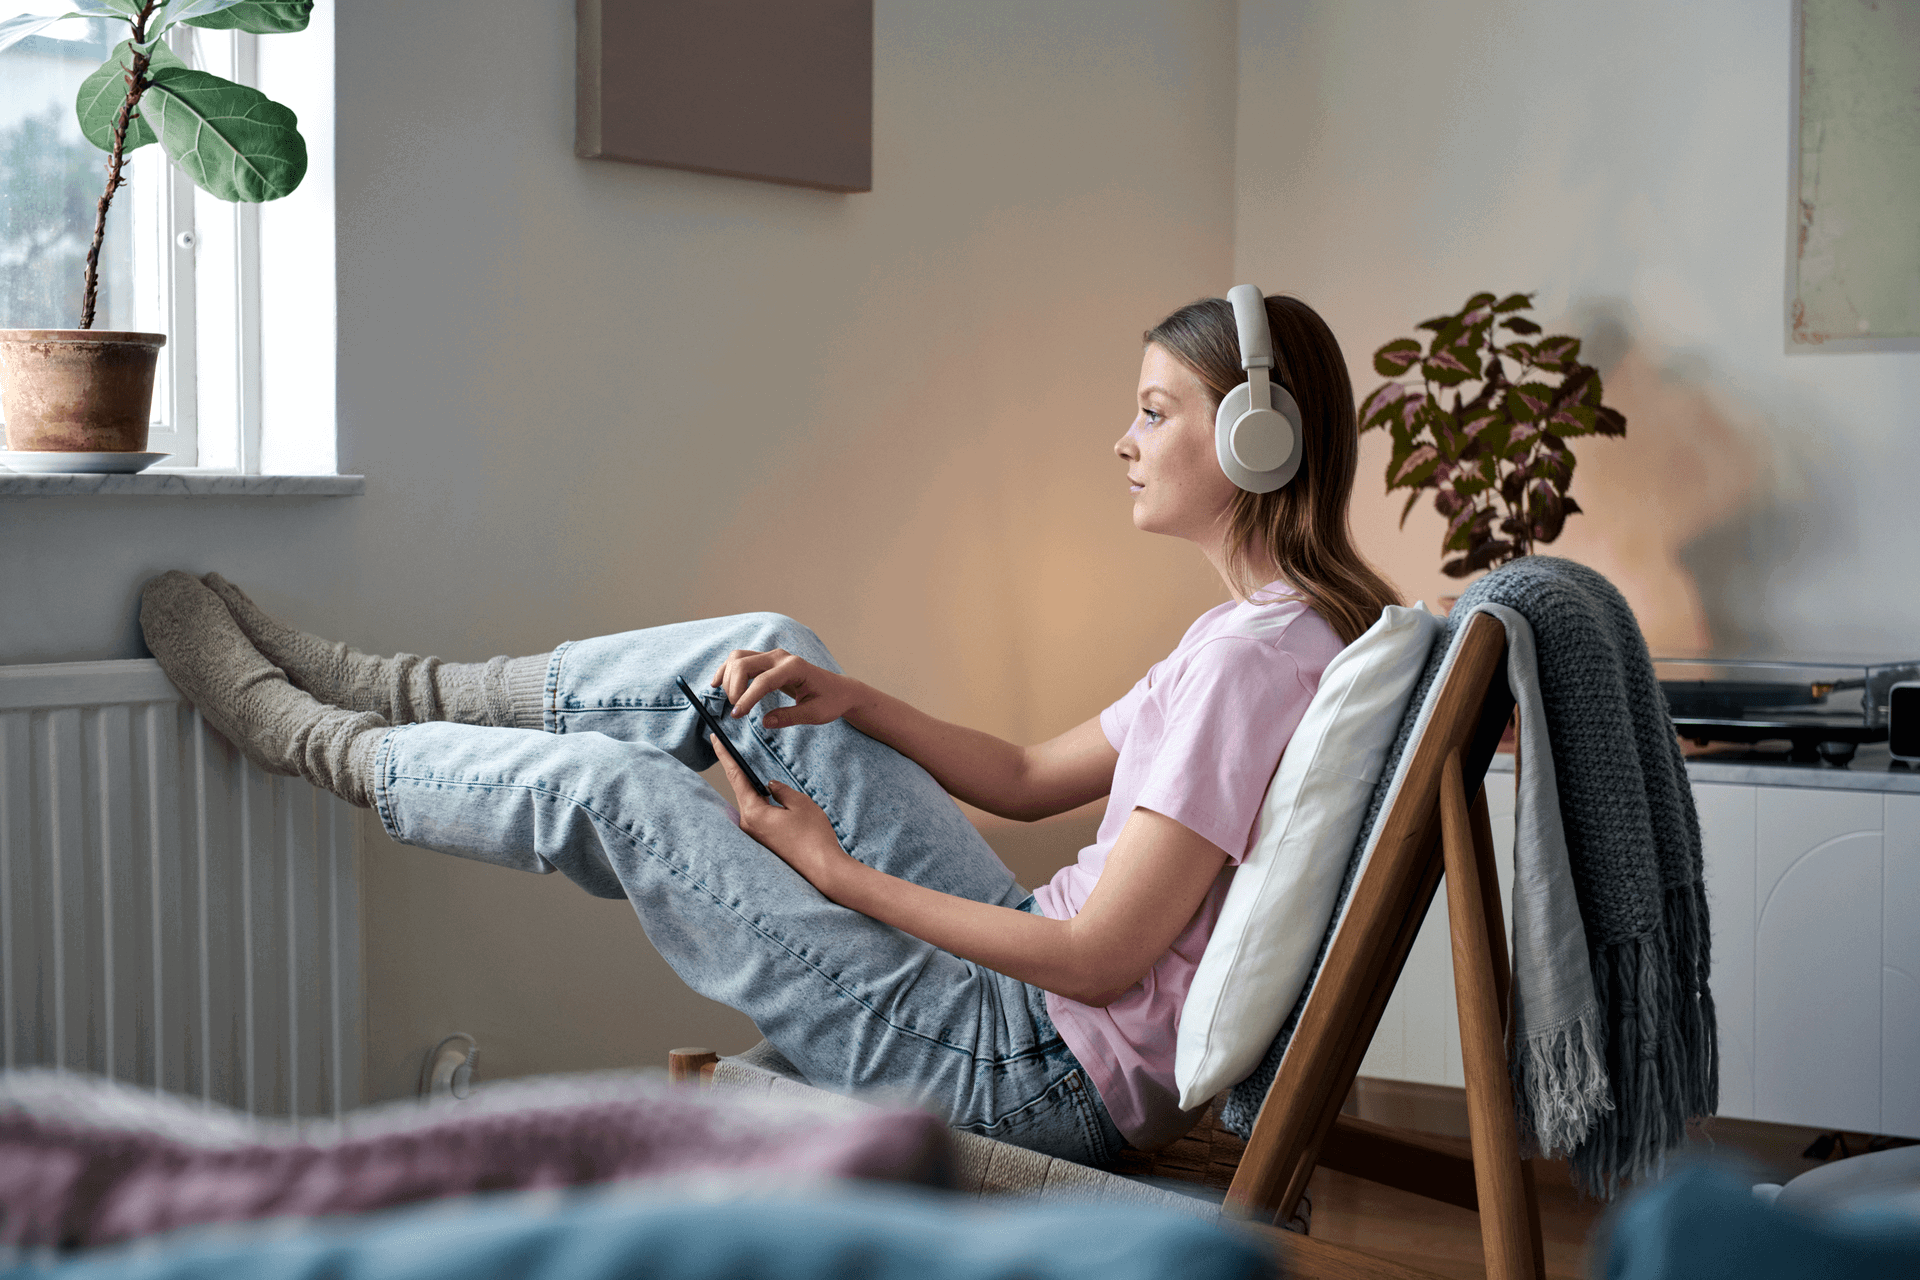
pixel 1302 527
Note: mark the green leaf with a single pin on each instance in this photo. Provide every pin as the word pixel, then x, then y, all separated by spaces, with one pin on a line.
pixel 1519 324
pixel 1590 393
pixel 1407 510
pixel 1488 428
pixel 103 92
pixel 1609 422
pixel 234 142
pixel 1546 510
pixel 1558 349
pixel 1470 529
pixel 1514 302
pixel 1476 302
pixel 1374 410
pixel 110 8
pixel 1578 420
pixel 1573 385
pixel 1437 323
pixel 1406 413
pixel 1468 354
pixel 18 28
pixel 1412 471
pixel 1484 556
pixel 262 17
pixel 1447 368
pixel 1396 357
pixel 1447 334
pixel 1438 426
pixel 1526 402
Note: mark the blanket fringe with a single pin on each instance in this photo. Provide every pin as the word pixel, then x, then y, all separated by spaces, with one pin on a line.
pixel 1560 1083
pixel 1663 1051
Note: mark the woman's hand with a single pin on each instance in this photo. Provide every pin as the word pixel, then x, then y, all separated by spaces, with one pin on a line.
pixel 818 695
pixel 796 829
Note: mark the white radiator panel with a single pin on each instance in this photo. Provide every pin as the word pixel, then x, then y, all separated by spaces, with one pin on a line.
pixel 169 914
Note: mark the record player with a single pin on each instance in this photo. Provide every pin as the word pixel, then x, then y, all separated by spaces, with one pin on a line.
pixel 1821 710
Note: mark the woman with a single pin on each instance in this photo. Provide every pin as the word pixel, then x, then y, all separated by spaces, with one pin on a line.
pixel 859 919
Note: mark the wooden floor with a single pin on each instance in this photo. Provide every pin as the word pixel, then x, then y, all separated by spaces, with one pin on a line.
pixel 1439 1237
pixel 1445 1240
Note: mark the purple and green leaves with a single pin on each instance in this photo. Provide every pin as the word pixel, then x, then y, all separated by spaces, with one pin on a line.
pixel 1497 461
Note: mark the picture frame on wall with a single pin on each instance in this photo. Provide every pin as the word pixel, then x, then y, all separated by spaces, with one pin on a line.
pixel 1853 235
pixel 771 90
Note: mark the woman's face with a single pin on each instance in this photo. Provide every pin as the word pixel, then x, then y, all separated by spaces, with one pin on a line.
pixel 1175 477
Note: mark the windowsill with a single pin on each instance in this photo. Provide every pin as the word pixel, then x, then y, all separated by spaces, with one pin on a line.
pixel 185 484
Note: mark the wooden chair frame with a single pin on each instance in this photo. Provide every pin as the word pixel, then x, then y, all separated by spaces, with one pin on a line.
pixel 1431 828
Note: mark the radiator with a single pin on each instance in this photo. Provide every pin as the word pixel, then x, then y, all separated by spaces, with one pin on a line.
pixel 170 915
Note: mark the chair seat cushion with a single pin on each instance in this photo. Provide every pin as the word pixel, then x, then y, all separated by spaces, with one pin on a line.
pixel 1282 898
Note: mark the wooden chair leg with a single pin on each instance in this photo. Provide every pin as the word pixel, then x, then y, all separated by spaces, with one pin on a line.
pixel 1503 982
pixel 1491 904
pixel 1498 1178
pixel 691 1065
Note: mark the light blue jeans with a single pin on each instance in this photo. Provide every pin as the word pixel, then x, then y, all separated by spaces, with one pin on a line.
pixel 609 795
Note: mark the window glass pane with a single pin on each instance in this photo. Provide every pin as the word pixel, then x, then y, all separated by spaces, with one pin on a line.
pixel 50 183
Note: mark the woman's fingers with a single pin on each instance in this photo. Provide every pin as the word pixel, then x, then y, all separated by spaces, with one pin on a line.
pixel 743 792
pixel 742 671
pixel 789 676
pixel 749 676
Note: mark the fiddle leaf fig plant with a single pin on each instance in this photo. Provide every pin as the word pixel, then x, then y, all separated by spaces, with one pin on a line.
pixel 1494 451
pixel 236 143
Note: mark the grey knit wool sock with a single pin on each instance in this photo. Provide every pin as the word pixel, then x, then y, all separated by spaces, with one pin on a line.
pixel 404 689
pixel 249 700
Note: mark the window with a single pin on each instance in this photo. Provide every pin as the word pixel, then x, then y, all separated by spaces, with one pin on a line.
pixel 243 292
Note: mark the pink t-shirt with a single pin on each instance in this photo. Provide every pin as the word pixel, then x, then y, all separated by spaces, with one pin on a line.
pixel 1199 739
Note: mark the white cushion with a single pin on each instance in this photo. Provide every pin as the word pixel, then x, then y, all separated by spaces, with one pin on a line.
pixel 1282 896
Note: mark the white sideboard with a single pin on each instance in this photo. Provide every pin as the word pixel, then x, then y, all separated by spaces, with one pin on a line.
pixel 1813 881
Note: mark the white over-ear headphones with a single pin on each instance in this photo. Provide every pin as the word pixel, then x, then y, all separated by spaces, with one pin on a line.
pixel 1256 432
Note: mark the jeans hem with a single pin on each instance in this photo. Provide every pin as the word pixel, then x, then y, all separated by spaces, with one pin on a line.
pixel 382 796
pixel 549 711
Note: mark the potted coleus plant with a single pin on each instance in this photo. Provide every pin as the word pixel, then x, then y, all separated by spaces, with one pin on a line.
pixel 1496 456
pixel 83 389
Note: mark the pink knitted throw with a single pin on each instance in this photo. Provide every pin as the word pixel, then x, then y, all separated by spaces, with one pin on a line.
pixel 84 1161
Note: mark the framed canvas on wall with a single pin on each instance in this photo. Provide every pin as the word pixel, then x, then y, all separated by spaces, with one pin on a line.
pixel 774 90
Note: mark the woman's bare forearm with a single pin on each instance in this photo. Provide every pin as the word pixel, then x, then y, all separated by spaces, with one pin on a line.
pixel 1011 781
pixel 988 772
pixel 1156 878
pixel 1053 955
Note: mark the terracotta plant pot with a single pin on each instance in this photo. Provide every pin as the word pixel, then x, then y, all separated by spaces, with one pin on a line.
pixel 77 390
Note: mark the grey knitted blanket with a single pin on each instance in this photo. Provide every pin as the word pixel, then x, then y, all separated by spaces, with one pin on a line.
pixel 1633 854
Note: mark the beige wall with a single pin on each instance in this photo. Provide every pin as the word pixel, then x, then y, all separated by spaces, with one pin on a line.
pixel 1628 162
pixel 589 397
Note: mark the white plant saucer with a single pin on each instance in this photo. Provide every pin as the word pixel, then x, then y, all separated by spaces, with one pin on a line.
pixel 48 463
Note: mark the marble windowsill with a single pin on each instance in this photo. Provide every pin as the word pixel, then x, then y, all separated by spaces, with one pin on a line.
pixel 177 484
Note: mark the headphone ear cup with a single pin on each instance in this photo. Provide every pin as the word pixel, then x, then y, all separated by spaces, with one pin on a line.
pixel 1258 436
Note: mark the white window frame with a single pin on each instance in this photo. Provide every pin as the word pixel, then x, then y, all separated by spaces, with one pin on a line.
pixel 245 292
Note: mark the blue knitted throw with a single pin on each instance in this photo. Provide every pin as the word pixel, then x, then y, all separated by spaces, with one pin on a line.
pixel 1633 846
